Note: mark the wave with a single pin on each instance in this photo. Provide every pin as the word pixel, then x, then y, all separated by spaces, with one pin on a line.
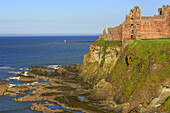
pixel 22 69
pixel 32 83
pixel 15 72
pixel 11 85
pixel 53 66
pixel 12 78
pixel 6 67
pixel 25 73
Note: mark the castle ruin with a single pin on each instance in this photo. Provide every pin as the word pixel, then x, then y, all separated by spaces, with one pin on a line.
pixel 139 27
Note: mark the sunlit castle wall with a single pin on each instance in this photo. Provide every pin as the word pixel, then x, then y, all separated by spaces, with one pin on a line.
pixel 137 27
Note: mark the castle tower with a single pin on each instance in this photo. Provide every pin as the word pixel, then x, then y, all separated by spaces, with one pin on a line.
pixel 135 13
pixel 163 11
pixel 131 26
pixel 166 13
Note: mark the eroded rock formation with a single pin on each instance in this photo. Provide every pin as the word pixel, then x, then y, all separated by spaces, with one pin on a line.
pixel 99 62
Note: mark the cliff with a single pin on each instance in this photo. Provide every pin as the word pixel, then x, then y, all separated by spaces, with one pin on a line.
pixel 100 60
pixel 136 77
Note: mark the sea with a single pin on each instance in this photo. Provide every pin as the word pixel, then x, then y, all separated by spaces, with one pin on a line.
pixel 18 53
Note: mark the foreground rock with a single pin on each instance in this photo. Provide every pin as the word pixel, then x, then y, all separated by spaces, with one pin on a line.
pixel 44 109
pixel 3 88
pixel 162 97
pixel 102 90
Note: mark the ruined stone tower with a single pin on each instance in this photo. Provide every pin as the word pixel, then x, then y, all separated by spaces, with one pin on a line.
pixel 139 27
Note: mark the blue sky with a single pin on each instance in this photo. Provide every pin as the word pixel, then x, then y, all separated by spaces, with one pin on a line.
pixel 68 17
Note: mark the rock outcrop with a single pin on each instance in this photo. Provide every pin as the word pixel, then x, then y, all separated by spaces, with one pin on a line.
pixel 3 88
pixel 102 90
pixel 44 109
pixel 162 97
pixel 99 61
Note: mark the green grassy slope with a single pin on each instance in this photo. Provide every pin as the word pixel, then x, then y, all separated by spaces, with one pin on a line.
pixel 143 67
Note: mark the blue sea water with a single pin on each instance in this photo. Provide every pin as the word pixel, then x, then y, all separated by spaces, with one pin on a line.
pixel 21 52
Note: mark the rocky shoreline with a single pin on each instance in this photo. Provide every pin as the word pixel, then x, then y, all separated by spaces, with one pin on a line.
pixel 65 88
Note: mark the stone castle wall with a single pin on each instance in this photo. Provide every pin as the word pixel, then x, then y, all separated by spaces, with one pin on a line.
pixel 152 28
pixel 115 34
pixel 137 27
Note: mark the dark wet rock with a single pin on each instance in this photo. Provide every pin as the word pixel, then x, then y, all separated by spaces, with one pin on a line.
pixel 26 78
pixel 41 69
pixel 38 72
pixel 73 68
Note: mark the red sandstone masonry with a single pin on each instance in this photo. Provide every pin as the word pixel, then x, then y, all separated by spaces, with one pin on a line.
pixel 115 34
pixel 137 27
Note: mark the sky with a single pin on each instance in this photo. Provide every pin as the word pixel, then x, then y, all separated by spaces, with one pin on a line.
pixel 68 17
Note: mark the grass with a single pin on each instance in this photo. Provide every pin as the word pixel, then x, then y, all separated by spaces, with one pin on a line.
pixel 142 54
pixel 107 43
pixel 158 39
pixel 130 87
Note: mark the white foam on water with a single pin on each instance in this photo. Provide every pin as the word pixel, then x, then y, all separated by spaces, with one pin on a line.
pixel 27 84
pixel 17 92
pixel 53 66
pixel 25 73
pixel 11 85
pixel 32 83
pixel 6 67
pixel 12 78
pixel 22 69
pixel 27 69
pixel 15 72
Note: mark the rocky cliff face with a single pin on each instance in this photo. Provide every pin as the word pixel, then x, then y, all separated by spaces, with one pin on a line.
pixel 100 60
pixel 137 74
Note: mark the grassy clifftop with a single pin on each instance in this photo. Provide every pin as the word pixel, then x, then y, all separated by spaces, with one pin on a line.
pixel 107 43
pixel 141 71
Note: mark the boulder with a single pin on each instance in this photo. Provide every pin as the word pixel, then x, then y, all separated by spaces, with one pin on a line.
pixel 162 97
pixel 102 90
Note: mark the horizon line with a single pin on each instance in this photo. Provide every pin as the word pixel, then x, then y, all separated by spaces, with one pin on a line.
pixel 49 34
